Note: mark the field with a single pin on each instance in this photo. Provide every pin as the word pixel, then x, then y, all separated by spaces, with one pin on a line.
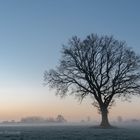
pixel 68 132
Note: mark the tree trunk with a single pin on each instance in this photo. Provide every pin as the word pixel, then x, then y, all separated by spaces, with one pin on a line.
pixel 104 114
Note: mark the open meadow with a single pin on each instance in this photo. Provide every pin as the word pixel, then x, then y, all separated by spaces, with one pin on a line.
pixel 68 132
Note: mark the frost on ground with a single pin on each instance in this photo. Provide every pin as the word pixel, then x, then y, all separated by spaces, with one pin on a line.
pixel 67 133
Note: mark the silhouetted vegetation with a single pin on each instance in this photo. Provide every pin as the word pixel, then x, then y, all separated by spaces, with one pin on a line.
pixel 101 67
pixel 37 120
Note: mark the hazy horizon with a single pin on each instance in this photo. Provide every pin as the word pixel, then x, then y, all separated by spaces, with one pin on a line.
pixel 31 38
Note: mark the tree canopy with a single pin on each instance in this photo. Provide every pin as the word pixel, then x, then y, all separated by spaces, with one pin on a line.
pixel 100 66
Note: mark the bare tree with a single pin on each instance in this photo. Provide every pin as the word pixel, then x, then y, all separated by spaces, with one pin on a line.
pixel 102 67
pixel 60 119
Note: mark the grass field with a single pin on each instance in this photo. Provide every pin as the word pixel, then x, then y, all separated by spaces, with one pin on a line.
pixel 68 132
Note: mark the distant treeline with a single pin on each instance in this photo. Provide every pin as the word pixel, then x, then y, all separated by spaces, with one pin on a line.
pixel 38 119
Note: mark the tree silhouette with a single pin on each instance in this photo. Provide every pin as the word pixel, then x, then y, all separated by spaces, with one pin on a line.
pixel 102 67
pixel 60 118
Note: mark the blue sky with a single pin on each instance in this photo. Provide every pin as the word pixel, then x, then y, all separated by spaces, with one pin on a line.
pixel 32 33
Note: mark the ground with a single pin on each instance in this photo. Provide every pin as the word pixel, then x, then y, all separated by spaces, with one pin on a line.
pixel 68 132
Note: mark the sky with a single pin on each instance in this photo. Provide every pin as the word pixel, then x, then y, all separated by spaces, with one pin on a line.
pixel 32 33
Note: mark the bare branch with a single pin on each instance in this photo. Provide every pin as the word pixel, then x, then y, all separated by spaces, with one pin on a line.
pixel 99 66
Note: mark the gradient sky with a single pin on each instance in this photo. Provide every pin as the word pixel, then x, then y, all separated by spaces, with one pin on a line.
pixel 31 36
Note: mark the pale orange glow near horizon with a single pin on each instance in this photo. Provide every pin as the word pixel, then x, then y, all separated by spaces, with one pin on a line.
pixel 32 36
pixel 44 103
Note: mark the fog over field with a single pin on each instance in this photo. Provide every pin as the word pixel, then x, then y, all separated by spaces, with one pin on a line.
pixel 68 132
pixel 82 130
pixel 69 69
